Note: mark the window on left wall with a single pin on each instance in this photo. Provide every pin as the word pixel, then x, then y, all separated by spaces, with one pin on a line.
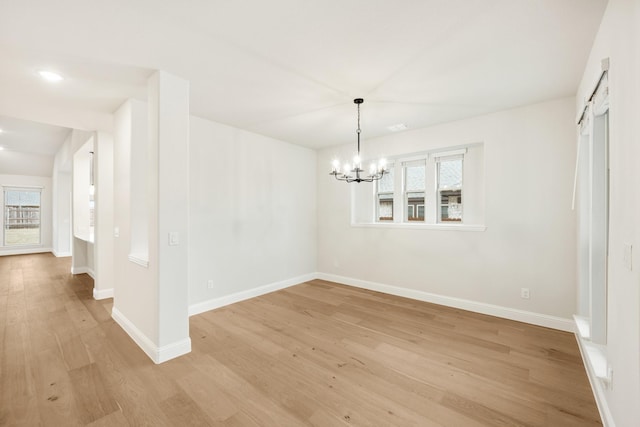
pixel 21 216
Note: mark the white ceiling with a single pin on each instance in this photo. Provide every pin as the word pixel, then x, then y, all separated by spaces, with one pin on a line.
pixel 31 137
pixel 290 69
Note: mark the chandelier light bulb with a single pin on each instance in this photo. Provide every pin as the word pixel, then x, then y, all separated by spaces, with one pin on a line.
pixel 356 161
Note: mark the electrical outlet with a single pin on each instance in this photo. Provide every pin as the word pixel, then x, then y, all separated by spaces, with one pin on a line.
pixel 209 284
pixel 524 293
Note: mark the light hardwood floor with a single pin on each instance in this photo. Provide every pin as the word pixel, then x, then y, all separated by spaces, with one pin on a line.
pixel 314 354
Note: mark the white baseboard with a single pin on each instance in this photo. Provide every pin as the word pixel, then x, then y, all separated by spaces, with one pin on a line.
pixel 596 384
pixel 24 251
pixel 214 303
pixel 102 293
pixel 79 270
pixel 477 307
pixel 83 270
pixel 60 254
pixel 155 353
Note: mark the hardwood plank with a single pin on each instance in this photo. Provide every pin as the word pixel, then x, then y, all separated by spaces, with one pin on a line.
pixel 318 354
pixel 93 399
pixel 180 409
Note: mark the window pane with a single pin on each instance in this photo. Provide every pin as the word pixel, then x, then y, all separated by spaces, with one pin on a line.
pixel 385 207
pixel 451 205
pixel 21 217
pixel 385 196
pixel 415 206
pixel 385 184
pixel 450 173
pixel 414 177
pixel 414 189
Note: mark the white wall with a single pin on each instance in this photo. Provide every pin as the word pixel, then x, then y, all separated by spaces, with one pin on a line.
pixel 135 293
pixel 151 295
pixel 252 206
pixel 619 40
pixel 63 243
pixel 61 213
pixel 530 237
pixel 104 240
pixel 46 212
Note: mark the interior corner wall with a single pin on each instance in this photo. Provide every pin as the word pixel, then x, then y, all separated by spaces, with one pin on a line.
pixel 61 242
pixel 252 209
pixel 103 172
pixel 619 40
pixel 46 212
pixel 529 242
pixel 135 292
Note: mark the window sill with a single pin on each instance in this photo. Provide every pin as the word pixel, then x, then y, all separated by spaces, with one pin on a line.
pixel 139 259
pixel 593 355
pixel 441 227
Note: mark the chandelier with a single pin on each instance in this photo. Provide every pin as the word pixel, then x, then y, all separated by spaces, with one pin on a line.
pixel 354 172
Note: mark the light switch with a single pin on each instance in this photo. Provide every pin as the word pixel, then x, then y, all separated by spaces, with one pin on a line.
pixel 174 238
pixel 116 232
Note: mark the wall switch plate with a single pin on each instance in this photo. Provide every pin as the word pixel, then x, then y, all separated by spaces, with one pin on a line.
pixel 209 284
pixel 174 238
pixel 627 256
pixel 524 293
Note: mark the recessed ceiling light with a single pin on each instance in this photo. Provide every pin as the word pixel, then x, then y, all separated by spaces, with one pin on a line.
pixel 50 76
pixel 397 128
pixel 1 148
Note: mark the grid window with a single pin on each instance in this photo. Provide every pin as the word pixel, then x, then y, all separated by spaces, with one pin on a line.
pixel 384 196
pixel 449 175
pixel 21 217
pixel 414 189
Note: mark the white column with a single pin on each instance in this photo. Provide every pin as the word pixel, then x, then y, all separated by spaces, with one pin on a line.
pixel 168 228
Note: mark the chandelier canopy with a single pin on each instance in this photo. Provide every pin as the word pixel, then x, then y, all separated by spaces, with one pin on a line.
pixel 353 172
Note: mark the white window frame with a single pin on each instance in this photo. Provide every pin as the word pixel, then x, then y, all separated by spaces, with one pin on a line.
pixel 377 194
pixel 439 190
pixel 405 193
pixel 432 193
pixel 5 189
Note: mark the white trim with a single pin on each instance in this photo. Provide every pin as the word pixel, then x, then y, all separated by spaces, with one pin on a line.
pixel 139 259
pixel 155 353
pixel 24 187
pixel 597 385
pixel 583 327
pixel 173 350
pixel 102 293
pixel 84 270
pixel 23 251
pixel 450 153
pixel 477 307
pixel 60 254
pixel 214 303
pixel 440 227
